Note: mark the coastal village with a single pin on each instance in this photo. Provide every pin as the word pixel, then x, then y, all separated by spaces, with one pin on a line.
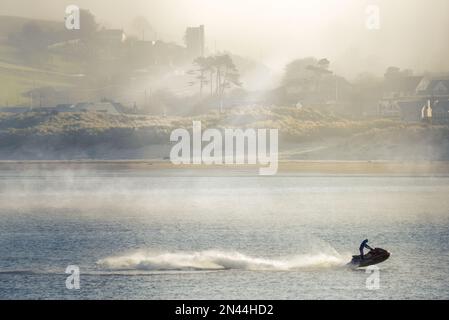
pixel 128 63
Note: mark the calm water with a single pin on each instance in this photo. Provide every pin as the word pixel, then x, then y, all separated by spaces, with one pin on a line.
pixel 167 235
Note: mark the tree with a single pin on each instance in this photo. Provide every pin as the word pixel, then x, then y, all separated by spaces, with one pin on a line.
pixel 210 63
pixel 201 64
pixel 303 79
pixel 88 24
pixel 31 41
pixel 143 28
pixel 323 64
pixel 224 69
pixel 298 72
pixel 227 75
pixel 395 72
pixel 31 38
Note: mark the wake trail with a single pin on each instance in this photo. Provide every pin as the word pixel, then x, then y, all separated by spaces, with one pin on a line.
pixel 218 260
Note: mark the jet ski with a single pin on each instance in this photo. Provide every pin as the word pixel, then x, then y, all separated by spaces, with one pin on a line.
pixel 374 256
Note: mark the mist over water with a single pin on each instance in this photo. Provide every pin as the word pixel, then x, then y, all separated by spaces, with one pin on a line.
pixel 356 92
pixel 154 235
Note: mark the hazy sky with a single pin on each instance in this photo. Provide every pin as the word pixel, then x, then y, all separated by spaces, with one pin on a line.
pixel 413 33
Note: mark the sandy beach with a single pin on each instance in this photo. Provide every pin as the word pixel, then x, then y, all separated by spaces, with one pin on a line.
pixel 286 167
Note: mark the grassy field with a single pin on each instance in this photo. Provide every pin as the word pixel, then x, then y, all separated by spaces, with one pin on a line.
pixel 18 77
pixel 15 82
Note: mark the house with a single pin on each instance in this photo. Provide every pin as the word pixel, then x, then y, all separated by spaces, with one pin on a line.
pixel 435 111
pixel 411 110
pixel 440 112
pixel 110 36
pixel 389 108
pixel 401 86
pixel 104 107
pixel 194 39
pixel 397 91
pixel 406 97
pixel 434 87
pixel 327 91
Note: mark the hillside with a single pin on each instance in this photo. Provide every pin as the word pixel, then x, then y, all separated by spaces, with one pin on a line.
pixel 20 73
pixel 304 134
pixel 10 24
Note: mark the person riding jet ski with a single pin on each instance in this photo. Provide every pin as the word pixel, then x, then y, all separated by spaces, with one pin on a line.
pixel 364 245
pixel 374 256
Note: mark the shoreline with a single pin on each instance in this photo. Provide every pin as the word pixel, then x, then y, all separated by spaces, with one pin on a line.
pixel 290 166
